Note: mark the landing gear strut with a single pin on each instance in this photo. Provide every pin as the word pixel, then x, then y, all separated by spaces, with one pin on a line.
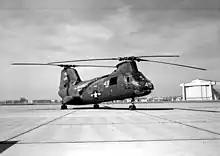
pixel 96 106
pixel 63 106
pixel 132 106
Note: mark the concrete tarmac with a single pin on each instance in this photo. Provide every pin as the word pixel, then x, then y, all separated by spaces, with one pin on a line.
pixel 166 129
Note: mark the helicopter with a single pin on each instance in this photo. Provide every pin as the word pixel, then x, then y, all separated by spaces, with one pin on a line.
pixel 125 82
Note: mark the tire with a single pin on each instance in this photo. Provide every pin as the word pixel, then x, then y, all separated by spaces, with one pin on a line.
pixel 63 107
pixel 132 107
pixel 96 106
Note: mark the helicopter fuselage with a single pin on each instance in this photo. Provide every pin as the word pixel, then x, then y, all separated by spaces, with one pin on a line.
pixel 125 82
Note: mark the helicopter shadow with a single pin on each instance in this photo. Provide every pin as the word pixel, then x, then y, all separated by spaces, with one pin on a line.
pixel 4 145
pixel 114 108
pixel 100 108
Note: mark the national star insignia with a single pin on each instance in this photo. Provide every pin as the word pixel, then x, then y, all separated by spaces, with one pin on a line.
pixel 95 94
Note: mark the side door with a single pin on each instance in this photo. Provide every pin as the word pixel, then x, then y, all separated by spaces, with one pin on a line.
pixel 113 90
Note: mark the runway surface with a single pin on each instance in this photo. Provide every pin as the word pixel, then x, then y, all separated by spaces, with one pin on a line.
pixel 164 129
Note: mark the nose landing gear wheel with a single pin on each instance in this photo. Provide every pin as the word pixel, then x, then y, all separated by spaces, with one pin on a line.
pixel 96 106
pixel 132 107
pixel 63 107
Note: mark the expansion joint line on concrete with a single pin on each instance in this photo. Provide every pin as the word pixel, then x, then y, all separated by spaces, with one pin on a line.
pixel 181 123
pixel 34 128
pixel 116 141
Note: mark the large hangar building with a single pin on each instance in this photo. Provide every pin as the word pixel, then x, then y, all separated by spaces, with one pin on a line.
pixel 200 89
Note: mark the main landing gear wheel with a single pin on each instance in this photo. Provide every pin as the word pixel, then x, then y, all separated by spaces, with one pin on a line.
pixel 96 106
pixel 132 107
pixel 63 107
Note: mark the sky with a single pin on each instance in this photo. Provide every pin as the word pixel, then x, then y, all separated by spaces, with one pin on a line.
pixel 55 30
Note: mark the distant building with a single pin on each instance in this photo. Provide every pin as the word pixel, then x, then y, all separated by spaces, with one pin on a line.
pixel 2 102
pixel 23 100
pixel 199 89
pixel 41 101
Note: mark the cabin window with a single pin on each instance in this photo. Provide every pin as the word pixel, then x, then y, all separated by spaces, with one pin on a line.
pixel 113 81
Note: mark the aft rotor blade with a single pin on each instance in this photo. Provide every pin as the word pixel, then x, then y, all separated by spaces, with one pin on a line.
pixel 37 64
pixel 181 65
pixel 102 59
pixel 62 65
pixel 117 58
pixel 94 66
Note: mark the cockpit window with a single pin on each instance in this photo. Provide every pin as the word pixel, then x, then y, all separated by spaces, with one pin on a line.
pixel 140 77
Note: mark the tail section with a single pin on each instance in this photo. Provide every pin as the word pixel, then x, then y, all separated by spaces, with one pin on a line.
pixel 69 76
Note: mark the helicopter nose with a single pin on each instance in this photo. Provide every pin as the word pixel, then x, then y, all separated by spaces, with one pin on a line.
pixel 149 86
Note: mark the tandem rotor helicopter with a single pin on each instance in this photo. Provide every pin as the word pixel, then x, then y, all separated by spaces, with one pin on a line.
pixel 126 81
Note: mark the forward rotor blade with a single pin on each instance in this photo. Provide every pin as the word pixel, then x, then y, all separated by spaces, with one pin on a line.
pixel 159 56
pixel 181 65
pixel 117 58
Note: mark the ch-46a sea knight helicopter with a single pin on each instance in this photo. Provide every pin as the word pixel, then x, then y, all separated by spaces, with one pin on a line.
pixel 126 81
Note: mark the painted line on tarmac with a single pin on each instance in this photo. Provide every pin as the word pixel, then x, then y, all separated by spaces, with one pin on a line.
pixel 32 129
pixel 199 110
pixel 181 123
pixel 119 141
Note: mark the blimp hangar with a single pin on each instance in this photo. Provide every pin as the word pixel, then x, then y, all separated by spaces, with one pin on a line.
pixel 200 89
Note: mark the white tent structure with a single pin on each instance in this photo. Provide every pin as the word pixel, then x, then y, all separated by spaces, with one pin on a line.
pixel 199 89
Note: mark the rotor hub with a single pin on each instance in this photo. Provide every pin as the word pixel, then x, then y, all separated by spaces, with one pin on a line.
pixel 130 58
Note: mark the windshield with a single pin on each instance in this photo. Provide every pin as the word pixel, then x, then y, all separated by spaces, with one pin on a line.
pixel 140 77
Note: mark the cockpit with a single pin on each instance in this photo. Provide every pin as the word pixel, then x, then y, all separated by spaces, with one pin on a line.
pixel 139 77
pixel 139 83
